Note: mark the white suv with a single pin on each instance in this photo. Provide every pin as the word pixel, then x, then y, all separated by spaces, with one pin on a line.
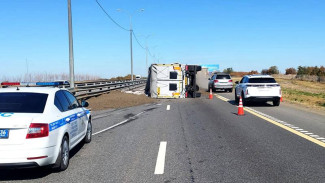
pixel 258 88
pixel 220 81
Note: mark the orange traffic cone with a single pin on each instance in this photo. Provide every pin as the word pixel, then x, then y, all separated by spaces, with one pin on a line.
pixel 281 100
pixel 210 95
pixel 240 107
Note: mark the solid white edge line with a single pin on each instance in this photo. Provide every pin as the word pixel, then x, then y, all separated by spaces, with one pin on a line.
pixel 120 123
pixel 160 164
pixel 168 107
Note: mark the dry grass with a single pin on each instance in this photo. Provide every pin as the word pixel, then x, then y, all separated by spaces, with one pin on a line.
pixel 307 93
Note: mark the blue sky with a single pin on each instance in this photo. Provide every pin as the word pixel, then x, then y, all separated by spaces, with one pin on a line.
pixel 242 34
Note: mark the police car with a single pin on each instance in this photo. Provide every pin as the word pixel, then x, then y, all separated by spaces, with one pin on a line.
pixel 40 125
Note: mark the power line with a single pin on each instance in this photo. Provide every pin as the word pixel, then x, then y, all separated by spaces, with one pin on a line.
pixel 110 17
pixel 123 28
pixel 137 40
pixel 151 54
pixel 141 45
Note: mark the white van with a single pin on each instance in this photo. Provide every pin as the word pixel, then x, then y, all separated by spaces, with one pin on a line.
pixel 138 77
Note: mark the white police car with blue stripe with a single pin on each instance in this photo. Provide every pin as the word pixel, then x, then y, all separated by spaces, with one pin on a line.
pixel 40 125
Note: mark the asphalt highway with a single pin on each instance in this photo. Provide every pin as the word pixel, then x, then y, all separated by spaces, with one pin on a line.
pixel 205 141
pixel 195 140
pixel 306 120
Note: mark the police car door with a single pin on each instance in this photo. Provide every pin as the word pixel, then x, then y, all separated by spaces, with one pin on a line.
pixel 77 123
pixel 67 115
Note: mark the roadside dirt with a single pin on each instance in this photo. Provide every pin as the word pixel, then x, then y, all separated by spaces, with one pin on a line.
pixel 117 99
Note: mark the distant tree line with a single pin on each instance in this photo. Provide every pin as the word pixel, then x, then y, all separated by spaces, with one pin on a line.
pixel 228 70
pixel 291 70
pixel 271 70
pixel 314 71
pixel 301 70
pixel 122 78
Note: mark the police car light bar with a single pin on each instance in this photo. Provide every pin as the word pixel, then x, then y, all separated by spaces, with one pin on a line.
pixel 31 84
pixel 10 83
pixel 48 83
pixel 27 84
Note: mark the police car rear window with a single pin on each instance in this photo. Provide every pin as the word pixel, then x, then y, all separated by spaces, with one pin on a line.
pixel 22 102
pixel 262 80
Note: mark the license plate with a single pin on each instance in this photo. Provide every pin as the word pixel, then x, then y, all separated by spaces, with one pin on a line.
pixel 4 134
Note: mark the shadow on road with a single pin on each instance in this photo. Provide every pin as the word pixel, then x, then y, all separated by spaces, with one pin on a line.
pixel 205 94
pixel 33 173
pixel 252 104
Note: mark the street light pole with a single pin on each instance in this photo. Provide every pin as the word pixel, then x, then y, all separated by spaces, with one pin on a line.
pixel 146 57
pixel 71 60
pixel 131 32
pixel 147 51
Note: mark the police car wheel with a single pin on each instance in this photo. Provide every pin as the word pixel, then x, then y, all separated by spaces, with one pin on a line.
pixel 64 154
pixel 87 138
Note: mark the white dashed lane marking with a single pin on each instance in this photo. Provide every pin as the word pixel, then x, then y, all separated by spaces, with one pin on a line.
pixel 168 107
pixel 160 164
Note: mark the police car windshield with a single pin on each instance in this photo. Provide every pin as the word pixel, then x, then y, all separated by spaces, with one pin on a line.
pixel 22 102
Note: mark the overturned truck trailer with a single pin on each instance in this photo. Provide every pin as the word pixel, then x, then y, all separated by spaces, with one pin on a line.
pixel 172 81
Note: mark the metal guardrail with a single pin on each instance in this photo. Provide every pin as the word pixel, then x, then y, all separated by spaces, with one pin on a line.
pixel 87 89
pixel 84 90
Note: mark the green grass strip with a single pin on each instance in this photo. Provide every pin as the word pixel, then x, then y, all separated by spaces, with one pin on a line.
pixel 302 93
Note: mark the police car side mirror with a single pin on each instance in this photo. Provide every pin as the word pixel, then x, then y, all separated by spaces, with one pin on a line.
pixel 84 103
pixel 237 82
